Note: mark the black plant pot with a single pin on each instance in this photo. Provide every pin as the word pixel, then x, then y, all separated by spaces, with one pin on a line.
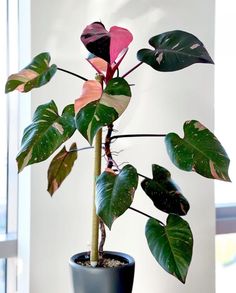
pixel 103 280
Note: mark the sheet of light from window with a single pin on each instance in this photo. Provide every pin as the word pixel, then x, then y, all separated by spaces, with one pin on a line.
pixel 2 275
pixel 225 97
pixel 3 116
pixel 225 263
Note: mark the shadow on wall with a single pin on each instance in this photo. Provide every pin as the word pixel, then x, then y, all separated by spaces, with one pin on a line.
pixel 153 13
pixel 165 13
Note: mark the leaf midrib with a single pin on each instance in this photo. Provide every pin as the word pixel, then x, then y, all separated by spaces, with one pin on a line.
pixel 163 50
pixel 167 236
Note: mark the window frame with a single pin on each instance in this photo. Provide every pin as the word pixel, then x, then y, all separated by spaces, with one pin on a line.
pixel 14 245
pixel 226 219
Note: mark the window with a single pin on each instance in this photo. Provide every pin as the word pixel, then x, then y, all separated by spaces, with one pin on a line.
pixel 224 128
pixel 9 125
pixel 224 93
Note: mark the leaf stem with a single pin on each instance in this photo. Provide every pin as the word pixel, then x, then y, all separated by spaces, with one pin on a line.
pixel 81 149
pixel 145 177
pixel 146 215
pixel 72 73
pixel 137 135
pixel 132 69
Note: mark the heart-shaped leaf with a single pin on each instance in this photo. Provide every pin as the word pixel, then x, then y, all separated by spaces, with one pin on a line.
pixel 164 193
pixel 106 44
pixel 115 193
pixel 60 167
pixel 171 245
pixel 173 51
pixel 198 151
pixel 46 133
pixel 92 91
pixel 36 74
pixel 107 109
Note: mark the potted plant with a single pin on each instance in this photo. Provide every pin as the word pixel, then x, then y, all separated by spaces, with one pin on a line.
pixel 102 102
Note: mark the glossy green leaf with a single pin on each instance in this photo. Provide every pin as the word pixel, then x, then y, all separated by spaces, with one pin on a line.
pixel 36 74
pixel 115 193
pixel 113 102
pixel 46 133
pixel 60 167
pixel 171 245
pixel 173 51
pixel 198 151
pixel 164 193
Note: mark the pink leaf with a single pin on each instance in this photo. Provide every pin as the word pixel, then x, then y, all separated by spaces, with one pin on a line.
pixel 120 40
pixel 104 44
pixel 92 91
pixel 99 64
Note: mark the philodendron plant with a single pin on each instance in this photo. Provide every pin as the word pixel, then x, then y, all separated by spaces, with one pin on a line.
pixel 102 101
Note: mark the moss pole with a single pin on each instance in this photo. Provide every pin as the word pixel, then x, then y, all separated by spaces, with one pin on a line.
pixel 95 219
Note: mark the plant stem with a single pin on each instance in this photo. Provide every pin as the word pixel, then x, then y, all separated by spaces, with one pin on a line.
pixel 132 69
pixel 95 219
pixel 107 146
pixel 103 237
pixel 72 73
pixel 137 135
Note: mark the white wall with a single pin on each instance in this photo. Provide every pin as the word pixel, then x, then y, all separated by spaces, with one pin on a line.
pixel 60 226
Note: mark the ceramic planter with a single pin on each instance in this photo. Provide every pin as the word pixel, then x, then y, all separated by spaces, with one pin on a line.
pixel 103 280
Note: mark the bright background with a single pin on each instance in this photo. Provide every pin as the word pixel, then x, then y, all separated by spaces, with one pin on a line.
pixel 225 128
pixel 60 226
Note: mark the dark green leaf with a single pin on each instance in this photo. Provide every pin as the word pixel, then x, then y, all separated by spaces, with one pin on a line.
pixel 60 167
pixel 36 74
pixel 171 245
pixel 164 193
pixel 198 151
pixel 104 111
pixel 173 51
pixel 115 193
pixel 46 133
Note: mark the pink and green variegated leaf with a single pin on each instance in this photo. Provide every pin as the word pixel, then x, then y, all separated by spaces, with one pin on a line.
pixel 174 50
pixel 198 151
pixel 106 44
pixel 92 91
pixel 104 111
pixel 115 193
pixel 35 75
pixel 60 167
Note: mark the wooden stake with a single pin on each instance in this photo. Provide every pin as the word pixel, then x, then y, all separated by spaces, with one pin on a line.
pixel 95 219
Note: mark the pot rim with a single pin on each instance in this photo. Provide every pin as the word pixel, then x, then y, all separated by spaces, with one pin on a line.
pixel 129 259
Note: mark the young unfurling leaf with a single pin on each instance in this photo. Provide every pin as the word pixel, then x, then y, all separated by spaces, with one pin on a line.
pixel 106 44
